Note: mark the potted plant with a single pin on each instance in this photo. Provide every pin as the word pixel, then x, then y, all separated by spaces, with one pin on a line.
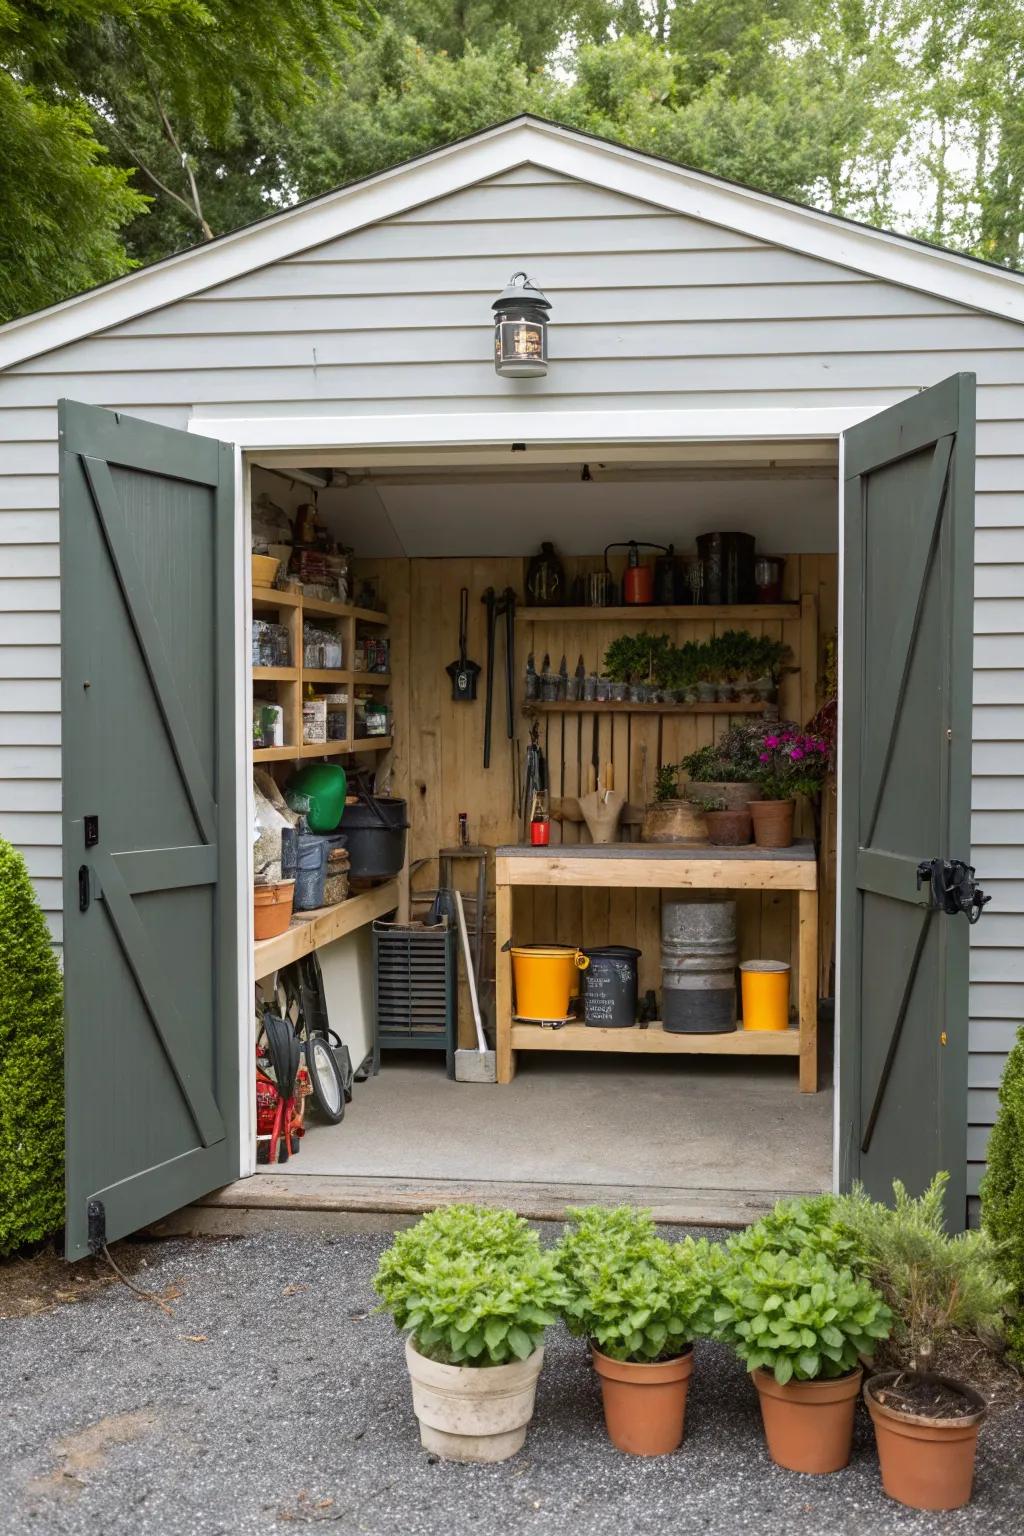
pixel 474 1292
pixel 790 763
pixel 670 817
pixel 801 1323
pixel 726 828
pixel 726 769
pixel 641 1302
pixel 767 658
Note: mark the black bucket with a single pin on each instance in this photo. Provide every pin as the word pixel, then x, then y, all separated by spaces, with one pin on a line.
pixel 310 869
pixel 375 829
pixel 609 986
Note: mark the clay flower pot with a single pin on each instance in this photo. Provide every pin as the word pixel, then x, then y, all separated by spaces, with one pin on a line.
pixel 644 1405
pixel 773 822
pixel 473 1412
pixel 673 821
pixel 926 1463
pixel 736 796
pixel 728 829
pixel 809 1424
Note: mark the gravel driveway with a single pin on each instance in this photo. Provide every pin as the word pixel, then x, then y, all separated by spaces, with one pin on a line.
pixel 274 1400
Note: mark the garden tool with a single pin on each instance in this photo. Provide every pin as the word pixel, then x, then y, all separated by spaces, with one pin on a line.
pixel 479 1066
pixel 534 777
pixel 285 1057
pixel 505 605
pixel 462 672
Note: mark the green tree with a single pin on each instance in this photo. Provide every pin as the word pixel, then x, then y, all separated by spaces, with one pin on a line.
pixel 31 1064
pixel 1002 1188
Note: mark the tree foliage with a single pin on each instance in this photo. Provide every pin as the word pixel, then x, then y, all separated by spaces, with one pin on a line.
pixel 1002 1189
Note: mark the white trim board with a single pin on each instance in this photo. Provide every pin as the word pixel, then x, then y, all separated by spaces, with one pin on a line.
pixel 525 140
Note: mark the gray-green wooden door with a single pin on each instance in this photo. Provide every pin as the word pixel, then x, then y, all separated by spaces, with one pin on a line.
pixel 906 791
pixel 150 926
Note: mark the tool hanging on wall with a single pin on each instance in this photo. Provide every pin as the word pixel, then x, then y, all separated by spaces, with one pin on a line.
pixel 535 779
pixel 463 673
pixel 505 605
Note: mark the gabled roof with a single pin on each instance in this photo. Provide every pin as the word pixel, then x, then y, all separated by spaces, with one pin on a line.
pixel 522 140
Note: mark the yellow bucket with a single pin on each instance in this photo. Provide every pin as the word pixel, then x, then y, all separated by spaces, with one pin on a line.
pixel 544 976
pixel 764 987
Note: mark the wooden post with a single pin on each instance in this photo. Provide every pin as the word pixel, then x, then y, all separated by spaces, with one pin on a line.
pixel 503 975
pixel 807 904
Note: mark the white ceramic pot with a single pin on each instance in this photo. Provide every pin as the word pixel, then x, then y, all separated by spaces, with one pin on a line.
pixel 473 1413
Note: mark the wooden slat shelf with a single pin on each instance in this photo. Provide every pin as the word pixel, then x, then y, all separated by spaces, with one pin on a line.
pixel 326 675
pixel 274 754
pixel 655 1040
pixel 371 679
pixel 371 744
pixel 275 674
pixel 328 610
pixel 325 748
pixel 639 613
pixel 312 930
pixel 624 707
pixel 269 597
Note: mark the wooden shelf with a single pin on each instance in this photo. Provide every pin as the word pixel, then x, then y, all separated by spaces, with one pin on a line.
pixel 623 707
pixel 655 1040
pixel 640 612
pixel 326 675
pixel 274 754
pixel 328 610
pixel 371 679
pixel 269 597
pixel 275 674
pixel 325 748
pixel 372 744
pixel 312 930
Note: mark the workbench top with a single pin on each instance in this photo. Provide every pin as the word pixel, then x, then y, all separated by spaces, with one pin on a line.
pixel 586 851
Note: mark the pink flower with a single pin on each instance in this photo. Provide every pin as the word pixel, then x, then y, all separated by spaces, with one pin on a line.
pixel 796 755
pixel 770 741
pixel 764 757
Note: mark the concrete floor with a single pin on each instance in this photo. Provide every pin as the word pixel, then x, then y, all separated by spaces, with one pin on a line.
pixel 660 1123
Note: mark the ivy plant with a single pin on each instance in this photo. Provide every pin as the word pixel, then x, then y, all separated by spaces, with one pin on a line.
pixel 471 1285
pixel 635 1296
pixel 799 1316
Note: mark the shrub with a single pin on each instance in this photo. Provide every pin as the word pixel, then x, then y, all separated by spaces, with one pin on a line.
pixel 1002 1189
pixel 809 1225
pixel 636 1296
pixel 471 1286
pixel 800 1316
pixel 731 760
pixel 935 1284
pixel 31 1064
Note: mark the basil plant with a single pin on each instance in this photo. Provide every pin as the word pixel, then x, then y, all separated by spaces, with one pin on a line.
pixel 796 1315
pixel 471 1285
pixel 635 1296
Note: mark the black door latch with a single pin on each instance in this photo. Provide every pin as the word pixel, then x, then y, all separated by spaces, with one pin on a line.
pixel 953 887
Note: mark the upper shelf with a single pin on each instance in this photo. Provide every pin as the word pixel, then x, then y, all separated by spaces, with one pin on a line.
pixel 650 611
pixel 270 597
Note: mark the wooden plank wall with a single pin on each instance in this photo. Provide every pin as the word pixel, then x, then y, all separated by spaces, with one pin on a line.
pixel 437 760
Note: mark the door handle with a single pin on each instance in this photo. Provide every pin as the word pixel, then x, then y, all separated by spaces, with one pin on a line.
pixel 84 892
pixel 953 887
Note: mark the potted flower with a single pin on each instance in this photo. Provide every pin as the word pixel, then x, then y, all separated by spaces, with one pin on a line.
pixel 790 763
pixel 726 770
pixel 801 1323
pixel 727 828
pixel 641 1302
pixel 474 1292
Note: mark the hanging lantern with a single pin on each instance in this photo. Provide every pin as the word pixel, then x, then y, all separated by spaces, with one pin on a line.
pixel 521 330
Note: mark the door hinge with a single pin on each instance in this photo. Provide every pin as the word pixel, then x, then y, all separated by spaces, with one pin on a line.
pixel 952 887
pixel 96 1214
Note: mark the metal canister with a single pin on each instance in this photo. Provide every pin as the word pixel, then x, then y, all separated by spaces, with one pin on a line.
pixel 698 967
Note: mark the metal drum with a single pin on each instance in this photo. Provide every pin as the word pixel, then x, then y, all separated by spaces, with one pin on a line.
pixel 698 967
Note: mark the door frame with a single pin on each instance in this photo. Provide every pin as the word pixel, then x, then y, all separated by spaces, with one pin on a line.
pixel 486 437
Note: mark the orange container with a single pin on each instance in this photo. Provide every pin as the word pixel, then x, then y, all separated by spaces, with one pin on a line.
pixel 544 976
pixel 764 988
pixel 272 908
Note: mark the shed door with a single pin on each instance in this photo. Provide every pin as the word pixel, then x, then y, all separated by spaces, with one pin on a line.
pixel 150 931
pixel 906 776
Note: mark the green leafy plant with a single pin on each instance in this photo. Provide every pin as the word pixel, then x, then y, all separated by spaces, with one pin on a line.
pixel 666 784
pixel 733 759
pixel 710 802
pixel 471 1285
pixel 810 1225
pixel 799 1316
pixel 634 1295
pixel 636 658
pixel 1002 1190
pixel 31 1064
pixel 936 1285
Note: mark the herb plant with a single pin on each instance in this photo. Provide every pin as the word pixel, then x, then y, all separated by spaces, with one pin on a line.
pixel 666 785
pixel 1002 1189
pixel 471 1285
pixel 634 1295
pixel 811 1225
pixel 799 1316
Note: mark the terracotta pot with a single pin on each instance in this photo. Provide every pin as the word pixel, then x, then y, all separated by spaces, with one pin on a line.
pixel 644 1405
pixel 673 821
pixel 272 908
pixel 473 1412
pixel 809 1424
pixel 926 1463
pixel 728 829
pixel 773 822
pixel 736 796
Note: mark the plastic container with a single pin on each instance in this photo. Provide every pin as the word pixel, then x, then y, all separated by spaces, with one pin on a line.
pixel 376 830
pixel 310 869
pixel 609 986
pixel 764 988
pixel 272 908
pixel 543 975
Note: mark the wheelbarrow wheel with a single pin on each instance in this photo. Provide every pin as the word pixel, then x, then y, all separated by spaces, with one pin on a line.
pixel 328 1090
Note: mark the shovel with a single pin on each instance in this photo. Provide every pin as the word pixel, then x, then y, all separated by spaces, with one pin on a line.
pixel 479 1066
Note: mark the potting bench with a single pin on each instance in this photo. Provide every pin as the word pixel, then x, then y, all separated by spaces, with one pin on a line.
pixel 660 867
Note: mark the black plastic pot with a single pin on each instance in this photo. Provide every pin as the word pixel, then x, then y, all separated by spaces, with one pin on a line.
pixel 609 986
pixel 375 830
pixel 728 561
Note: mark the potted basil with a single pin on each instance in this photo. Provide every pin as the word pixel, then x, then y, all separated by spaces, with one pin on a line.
pixel 474 1293
pixel 641 1302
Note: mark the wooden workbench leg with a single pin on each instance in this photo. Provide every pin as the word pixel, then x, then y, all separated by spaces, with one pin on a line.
pixel 808 990
pixel 503 982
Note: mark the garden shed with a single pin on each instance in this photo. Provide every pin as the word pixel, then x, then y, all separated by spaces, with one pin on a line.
pixel 720 363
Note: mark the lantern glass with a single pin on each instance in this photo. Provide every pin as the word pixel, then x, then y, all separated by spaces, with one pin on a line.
pixel 521 331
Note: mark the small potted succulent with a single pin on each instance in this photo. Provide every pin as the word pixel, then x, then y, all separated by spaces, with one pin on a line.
pixel 641 1302
pixel 801 1323
pixel 790 763
pixel 474 1292
pixel 727 828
